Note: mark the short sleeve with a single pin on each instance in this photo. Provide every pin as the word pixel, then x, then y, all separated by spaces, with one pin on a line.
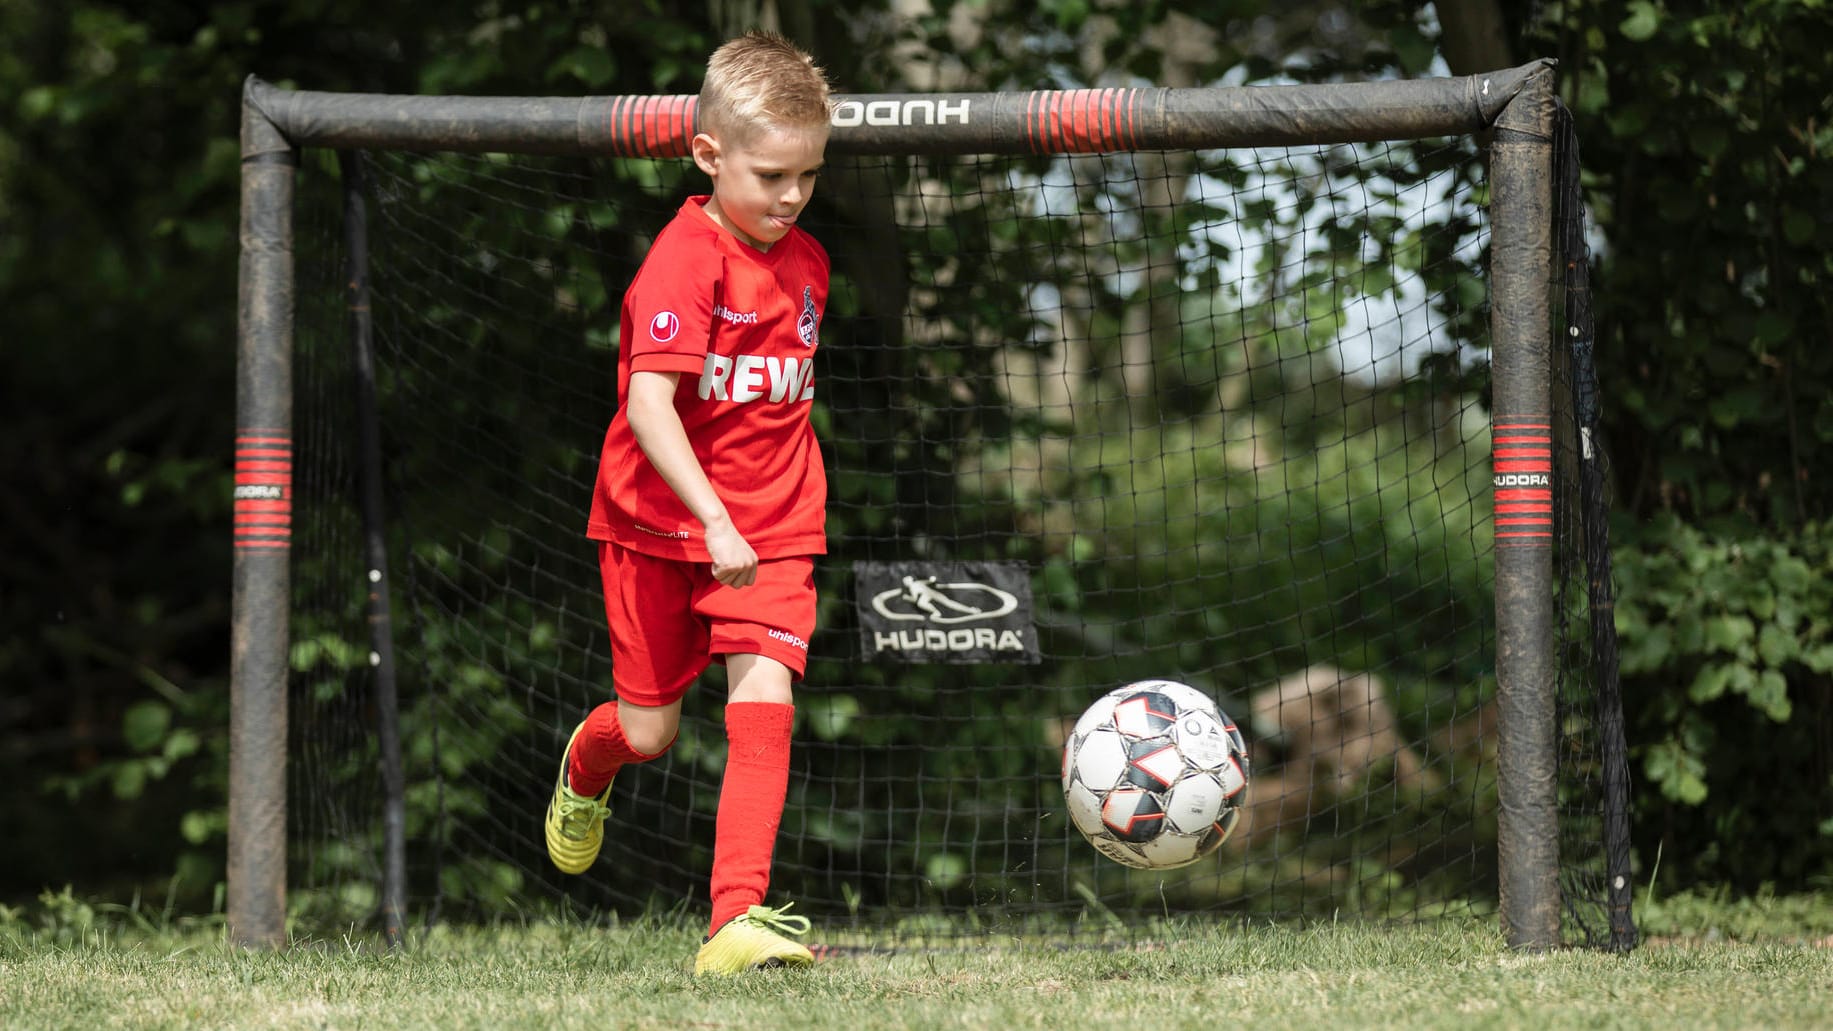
pixel 670 304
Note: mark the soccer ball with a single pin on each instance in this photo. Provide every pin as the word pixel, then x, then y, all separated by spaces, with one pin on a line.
pixel 1154 774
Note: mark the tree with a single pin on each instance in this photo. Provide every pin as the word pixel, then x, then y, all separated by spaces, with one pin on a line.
pixel 119 170
pixel 1705 137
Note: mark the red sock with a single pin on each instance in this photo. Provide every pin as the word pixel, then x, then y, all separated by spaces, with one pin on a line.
pixel 600 751
pixel 750 805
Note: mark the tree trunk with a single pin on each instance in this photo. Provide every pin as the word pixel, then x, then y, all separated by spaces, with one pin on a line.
pixel 1473 36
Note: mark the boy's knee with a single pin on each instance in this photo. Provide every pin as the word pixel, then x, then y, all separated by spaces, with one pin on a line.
pixel 649 733
pixel 653 744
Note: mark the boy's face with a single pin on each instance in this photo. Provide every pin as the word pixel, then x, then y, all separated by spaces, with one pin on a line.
pixel 761 183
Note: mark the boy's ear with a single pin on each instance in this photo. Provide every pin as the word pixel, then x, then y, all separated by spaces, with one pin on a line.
pixel 706 153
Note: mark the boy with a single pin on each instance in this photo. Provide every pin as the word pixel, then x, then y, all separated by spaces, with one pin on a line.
pixel 711 495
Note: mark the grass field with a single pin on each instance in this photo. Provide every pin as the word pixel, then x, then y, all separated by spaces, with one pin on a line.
pixel 1756 964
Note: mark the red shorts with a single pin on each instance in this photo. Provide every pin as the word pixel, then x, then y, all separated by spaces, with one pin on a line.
pixel 669 619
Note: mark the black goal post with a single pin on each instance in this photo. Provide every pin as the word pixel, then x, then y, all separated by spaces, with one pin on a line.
pixel 1542 521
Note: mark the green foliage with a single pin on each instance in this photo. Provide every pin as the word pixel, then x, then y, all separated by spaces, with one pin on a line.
pixel 1704 130
pixel 1740 612
pixel 1727 660
pixel 1720 913
pixel 475 652
pixel 1214 526
pixel 1705 134
pixel 1333 505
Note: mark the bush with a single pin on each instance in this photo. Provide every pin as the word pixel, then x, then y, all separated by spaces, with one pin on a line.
pixel 1727 647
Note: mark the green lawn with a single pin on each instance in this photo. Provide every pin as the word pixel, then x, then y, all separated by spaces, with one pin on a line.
pixel 1706 965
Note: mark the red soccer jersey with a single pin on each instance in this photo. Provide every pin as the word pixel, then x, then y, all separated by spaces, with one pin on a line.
pixel 740 326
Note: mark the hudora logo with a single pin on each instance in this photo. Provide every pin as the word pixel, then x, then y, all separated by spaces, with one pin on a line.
pixel 925 600
pixel 1523 480
pixel 849 113
pixel 959 639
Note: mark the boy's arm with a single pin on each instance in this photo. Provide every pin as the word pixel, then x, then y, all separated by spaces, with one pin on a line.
pixel 650 407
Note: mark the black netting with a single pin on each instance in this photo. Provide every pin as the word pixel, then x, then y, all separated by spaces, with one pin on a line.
pixel 1228 408
pixel 1593 756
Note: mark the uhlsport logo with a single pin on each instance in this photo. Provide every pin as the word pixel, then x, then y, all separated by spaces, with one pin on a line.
pixel 946 611
pixel 788 638
pixel 664 326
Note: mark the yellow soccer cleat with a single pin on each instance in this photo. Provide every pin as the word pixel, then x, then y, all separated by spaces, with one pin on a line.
pixel 575 823
pixel 754 940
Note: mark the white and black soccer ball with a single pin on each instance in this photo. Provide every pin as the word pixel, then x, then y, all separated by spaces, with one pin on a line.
pixel 1155 774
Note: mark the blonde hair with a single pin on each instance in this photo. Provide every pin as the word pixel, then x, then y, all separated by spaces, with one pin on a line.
pixel 762 81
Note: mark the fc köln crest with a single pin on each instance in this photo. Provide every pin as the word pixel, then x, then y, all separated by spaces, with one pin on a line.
pixel 805 326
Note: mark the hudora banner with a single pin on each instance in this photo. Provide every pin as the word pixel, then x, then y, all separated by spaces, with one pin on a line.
pixel 946 611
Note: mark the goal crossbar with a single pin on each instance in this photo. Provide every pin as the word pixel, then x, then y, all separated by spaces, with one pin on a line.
pixel 1036 122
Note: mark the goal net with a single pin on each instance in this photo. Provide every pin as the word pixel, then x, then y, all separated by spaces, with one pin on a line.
pixel 1233 410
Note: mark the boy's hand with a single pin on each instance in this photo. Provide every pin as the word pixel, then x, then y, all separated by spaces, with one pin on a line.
pixel 734 563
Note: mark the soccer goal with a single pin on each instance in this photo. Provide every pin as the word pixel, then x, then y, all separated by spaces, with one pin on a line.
pixel 1281 392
